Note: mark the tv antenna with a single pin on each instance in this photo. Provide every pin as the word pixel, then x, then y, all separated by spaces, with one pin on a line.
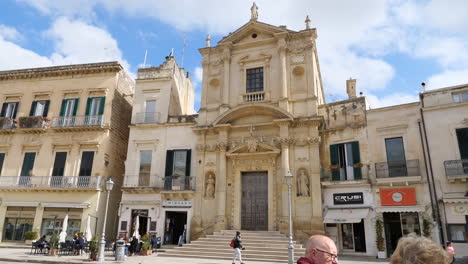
pixel 144 61
pixel 183 49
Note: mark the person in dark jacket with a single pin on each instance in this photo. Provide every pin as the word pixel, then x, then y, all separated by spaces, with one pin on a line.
pixel 133 245
pixel 79 244
pixel 320 250
pixel 237 248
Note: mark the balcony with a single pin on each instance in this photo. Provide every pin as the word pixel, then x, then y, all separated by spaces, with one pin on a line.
pixel 456 170
pixel 33 123
pixel 396 172
pixel 79 123
pixel 147 118
pixel 30 183
pixel 178 187
pixel 254 97
pixel 350 175
pixel 143 181
pixel 7 125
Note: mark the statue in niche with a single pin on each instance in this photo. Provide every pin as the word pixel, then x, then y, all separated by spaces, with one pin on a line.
pixel 303 183
pixel 254 12
pixel 210 186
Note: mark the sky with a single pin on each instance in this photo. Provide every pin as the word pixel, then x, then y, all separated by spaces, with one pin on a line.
pixel 390 47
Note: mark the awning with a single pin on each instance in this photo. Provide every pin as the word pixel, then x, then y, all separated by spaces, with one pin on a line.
pixel 66 205
pixel 26 204
pixel 400 209
pixel 345 215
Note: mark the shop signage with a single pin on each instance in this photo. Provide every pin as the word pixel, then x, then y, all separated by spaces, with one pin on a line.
pixel 348 198
pixel 399 196
pixel 177 204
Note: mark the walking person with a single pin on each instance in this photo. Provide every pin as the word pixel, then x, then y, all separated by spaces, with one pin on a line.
pixel 451 250
pixel 416 249
pixel 237 248
pixel 319 250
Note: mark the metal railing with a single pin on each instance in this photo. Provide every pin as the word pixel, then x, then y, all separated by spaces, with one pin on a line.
pixel 146 118
pixel 348 173
pixel 455 168
pixel 7 123
pixel 32 122
pixel 143 180
pixel 168 183
pixel 254 97
pixel 51 182
pixel 400 168
pixel 179 183
pixel 78 121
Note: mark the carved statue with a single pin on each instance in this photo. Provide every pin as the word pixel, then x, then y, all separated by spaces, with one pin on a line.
pixel 210 186
pixel 307 22
pixel 303 183
pixel 208 41
pixel 254 11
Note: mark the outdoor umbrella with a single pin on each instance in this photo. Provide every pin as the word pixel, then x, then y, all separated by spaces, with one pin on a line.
pixel 137 226
pixel 88 234
pixel 63 234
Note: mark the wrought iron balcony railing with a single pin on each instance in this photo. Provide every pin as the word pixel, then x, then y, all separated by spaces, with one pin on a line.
pixel 456 168
pixel 33 122
pixel 146 118
pixel 349 173
pixel 400 168
pixel 7 123
pixel 50 182
pixel 142 181
pixel 179 183
pixel 77 121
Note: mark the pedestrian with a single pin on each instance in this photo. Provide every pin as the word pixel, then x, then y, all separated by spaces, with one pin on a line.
pixel 451 250
pixel 237 248
pixel 414 249
pixel 319 250
pixel 154 241
pixel 133 246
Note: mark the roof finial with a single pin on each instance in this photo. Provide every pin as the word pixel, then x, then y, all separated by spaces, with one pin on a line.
pixel 254 12
pixel 208 41
pixel 307 22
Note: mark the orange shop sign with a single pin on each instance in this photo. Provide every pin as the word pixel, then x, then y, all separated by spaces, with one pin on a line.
pixel 400 196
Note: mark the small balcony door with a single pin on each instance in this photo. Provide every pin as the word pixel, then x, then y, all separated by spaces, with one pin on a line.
pixel 396 159
pixel 86 168
pixel 9 110
pixel 343 157
pixel 462 136
pixel 59 169
pixel 39 108
pixel 27 168
pixel 145 167
pixel 150 110
pixel 68 111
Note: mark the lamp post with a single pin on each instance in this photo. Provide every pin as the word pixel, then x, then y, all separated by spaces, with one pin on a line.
pixel 289 178
pixel 102 243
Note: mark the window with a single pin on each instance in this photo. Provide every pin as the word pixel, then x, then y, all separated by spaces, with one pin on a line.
pixel 28 163
pixel 177 169
pixel 9 110
pixel 462 136
pixel 69 107
pixel 345 161
pixel 396 159
pixel 456 232
pixel 59 164
pixel 150 109
pixel 95 106
pixel 39 108
pixel 2 158
pixel 86 165
pixel 145 167
pixel 254 80
pixel 460 97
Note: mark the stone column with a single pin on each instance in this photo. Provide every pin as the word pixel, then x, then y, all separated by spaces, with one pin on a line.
pixel 221 178
pixel 3 210
pixel 226 81
pixel 284 75
pixel 38 219
pixel 284 140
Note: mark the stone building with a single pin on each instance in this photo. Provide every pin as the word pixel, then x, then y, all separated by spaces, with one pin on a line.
pixel 160 168
pixel 445 122
pixel 63 131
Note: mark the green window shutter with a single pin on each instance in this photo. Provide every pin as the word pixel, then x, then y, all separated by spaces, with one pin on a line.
pixel 335 160
pixel 356 159
pixel 28 163
pixel 169 162
pixel 62 108
pixel 33 108
pixel 4 108
pixel 102 104
pixel 46 108
pixel 75 107
pixel 16 110
pixel 188 162
pixel 462 136
pixel 2 158
pixel 88 105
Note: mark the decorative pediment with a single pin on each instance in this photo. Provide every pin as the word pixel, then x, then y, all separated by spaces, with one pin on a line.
pixel 262 30
pixel 253 146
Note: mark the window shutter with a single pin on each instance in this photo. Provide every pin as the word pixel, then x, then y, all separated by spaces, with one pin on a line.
pixel 101 106
pixel 75 106
pixel 46 108
pixel 88 105
pixel 356 159
pixel 169 162
pixel 28 163
pixel 462 136
pixel 4 108
pixel 335 160
pixel 62 108
pixel 2 158
pixel 33 108
pixel 188 162
pixel 16 110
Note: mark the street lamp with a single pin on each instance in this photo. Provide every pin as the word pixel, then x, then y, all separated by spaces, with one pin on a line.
pixel 102 243
pixel 288 177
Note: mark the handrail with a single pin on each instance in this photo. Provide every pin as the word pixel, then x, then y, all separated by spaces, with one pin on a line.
pixel 203 230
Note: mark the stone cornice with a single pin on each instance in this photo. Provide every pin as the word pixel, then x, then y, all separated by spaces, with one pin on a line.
pixel 90 68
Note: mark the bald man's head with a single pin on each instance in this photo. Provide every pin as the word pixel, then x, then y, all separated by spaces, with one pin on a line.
pixel 321 249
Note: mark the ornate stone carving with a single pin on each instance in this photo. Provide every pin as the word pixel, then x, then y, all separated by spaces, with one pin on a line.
pixel 221 146
pixel 307 22
pixel 210 185
pixel 254 12
pixel 465 121
pixel 296 59
pixel 302 159
pixel 208 41
pixel 303 183
pixel 285 142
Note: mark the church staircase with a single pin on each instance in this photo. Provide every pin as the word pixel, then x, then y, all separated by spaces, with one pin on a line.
pixel 268 246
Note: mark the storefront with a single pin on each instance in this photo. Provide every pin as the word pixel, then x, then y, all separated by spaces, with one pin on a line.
pixel 456 216
pixel 400 213
pixel 348 218
pixel 143 216
pixel 52 221
pixel 177 216
pixel 18 221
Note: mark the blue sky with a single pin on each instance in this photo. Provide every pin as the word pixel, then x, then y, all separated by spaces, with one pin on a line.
pixel 390 47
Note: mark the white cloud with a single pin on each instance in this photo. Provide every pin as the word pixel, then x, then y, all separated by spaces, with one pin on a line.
pixel 13 56
pixel 391 99
pixel 197 83
pixel 447 78
pixel 9 33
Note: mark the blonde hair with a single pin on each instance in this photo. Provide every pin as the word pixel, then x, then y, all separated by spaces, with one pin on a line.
pixel 414 249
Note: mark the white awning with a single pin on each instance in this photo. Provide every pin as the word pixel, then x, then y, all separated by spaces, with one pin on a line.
pixel 66 205
pixel 400 209
pixel 26 204
pixel 345 215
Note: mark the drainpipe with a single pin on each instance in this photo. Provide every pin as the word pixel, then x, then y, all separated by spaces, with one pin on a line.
pixel 431 182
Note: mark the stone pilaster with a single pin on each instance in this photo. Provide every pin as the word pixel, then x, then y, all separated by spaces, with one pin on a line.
pixel 38 219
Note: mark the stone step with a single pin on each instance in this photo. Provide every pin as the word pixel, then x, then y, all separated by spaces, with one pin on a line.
pixel 245 244
pixel 258 241
pixel 245 257
pixel 249 236
pixel 250 247
pixel 248 251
